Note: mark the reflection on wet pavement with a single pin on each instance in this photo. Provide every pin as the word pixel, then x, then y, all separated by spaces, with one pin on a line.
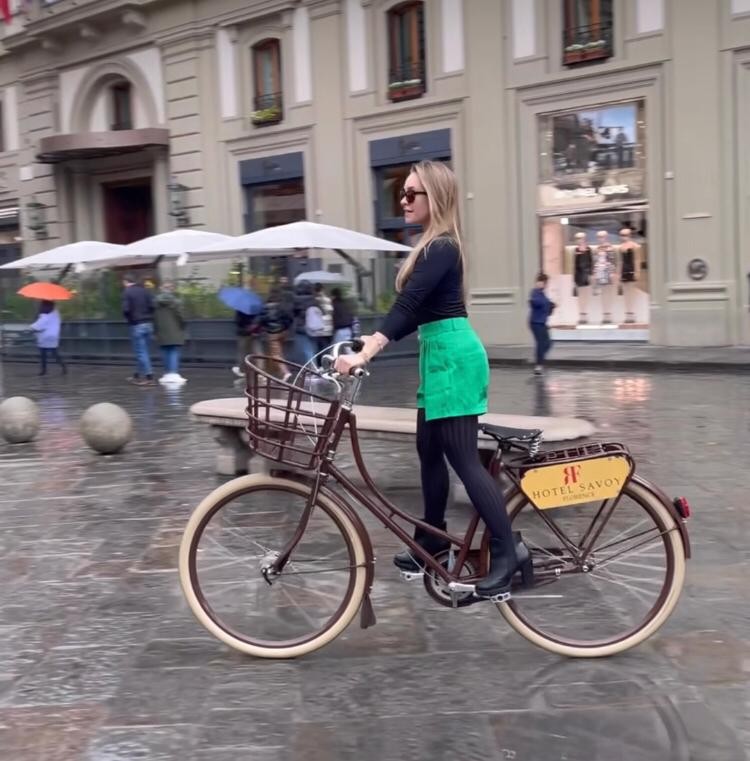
pixel 100 658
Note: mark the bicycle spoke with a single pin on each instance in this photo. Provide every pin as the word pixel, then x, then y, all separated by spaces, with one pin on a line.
pixel 304 598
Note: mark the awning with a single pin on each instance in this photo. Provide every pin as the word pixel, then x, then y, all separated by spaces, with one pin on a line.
pixel 94 145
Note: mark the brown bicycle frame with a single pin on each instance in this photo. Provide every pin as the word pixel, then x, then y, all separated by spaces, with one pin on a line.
pixel 384 510
pixel 381 507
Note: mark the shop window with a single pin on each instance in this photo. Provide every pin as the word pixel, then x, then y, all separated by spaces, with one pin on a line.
pixel 275 203
pixel 597 263
pixel 587 32
pixel 593 156
pixel 121 105
pixel 267 103
pixel 406 69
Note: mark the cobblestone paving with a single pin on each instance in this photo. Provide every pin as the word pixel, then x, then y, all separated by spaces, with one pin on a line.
pixel 101 660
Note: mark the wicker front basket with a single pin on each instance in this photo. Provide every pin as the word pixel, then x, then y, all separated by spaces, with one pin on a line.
pixel 288 422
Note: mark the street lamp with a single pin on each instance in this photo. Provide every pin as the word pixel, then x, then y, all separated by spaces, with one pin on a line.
pixel 177 203
pixel 36 218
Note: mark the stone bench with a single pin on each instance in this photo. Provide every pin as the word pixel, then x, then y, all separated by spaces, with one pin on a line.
pixel 227 419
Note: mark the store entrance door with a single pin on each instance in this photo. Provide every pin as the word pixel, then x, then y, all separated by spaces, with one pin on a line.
pixel 128 211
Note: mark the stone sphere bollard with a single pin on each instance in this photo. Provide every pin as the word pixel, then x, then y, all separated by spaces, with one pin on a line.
pixel 106 428
pixel 19 420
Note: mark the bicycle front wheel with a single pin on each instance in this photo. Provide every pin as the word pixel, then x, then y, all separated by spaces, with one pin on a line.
pixel 614 598
pixel 240 528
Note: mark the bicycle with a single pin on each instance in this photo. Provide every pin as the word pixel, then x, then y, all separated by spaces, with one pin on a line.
pixel 278 565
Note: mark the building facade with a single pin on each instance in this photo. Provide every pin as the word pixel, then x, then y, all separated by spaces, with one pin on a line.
pixel 602 141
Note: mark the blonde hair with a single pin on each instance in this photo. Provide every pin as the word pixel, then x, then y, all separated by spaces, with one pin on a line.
pixel 439 182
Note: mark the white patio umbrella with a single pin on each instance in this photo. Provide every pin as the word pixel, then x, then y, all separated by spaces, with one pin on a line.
pixel 84 253
pixel 173 244
pixel 299 235
pixel 319 276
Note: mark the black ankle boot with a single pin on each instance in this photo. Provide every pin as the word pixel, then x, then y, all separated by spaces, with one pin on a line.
pixel 502 568
pixel 429 542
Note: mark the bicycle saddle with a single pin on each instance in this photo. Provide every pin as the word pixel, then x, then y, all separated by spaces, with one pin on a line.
pixel 501 433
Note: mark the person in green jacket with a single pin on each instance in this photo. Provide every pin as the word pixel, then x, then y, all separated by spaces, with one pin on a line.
pixel 169 326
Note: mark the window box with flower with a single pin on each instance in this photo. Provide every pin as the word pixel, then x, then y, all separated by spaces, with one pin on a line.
pixel 270 115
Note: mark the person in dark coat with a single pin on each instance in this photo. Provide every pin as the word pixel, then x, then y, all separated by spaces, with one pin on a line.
pixel 248 339
pixel 169 323
pixel 138 310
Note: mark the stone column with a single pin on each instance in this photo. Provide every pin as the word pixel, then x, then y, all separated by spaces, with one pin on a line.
pixel 495 276
pixel 37 116
pixel 331 192
pixel 697 312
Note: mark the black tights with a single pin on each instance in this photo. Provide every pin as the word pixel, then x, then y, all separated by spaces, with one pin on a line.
pixel 455 438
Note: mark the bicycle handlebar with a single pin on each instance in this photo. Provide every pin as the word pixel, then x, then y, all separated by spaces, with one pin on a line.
pixel 328 359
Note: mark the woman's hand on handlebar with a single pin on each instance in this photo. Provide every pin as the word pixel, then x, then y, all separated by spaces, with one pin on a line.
pixel 370 346
pixel 346 363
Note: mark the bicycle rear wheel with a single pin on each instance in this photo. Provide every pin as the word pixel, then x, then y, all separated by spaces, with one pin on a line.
pixel 235 531
pixel 622 594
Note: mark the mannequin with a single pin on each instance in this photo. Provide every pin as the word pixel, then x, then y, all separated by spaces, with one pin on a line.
pixel 630 269
pixel 581 264
pixel 605 274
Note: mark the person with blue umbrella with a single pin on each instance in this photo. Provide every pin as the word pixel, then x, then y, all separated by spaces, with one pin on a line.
pixel 247 307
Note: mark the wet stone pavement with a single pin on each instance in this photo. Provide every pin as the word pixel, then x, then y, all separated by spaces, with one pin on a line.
pixel 101 660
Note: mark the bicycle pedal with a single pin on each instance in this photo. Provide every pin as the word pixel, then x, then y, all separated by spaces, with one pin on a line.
pixel 502 597
pixel 411 575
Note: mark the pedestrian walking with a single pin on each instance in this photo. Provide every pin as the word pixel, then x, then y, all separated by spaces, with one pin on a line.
pixel 47 328
pixel 169 325
pixel 343 317
pixel 138 310
pixel 319 319
pixel 248 339
pixel 275 320
pixel 304 345
pixel 540 308
pixel 454 373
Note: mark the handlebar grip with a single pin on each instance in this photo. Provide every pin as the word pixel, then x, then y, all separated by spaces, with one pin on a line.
pixel 358 372
pixel 357 345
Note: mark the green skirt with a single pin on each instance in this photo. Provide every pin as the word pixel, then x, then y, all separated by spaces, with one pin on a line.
pixel 454 373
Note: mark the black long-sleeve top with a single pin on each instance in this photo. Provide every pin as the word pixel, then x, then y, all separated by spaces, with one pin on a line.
pixel 434 291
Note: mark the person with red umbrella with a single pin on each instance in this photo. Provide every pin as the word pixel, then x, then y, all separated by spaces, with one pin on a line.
pixel 48 323
pixel 47 329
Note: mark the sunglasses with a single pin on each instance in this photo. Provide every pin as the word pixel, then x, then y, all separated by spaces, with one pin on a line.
pixel 410 194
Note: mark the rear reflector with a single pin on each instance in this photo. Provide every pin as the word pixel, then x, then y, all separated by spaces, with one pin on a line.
pixel 682 507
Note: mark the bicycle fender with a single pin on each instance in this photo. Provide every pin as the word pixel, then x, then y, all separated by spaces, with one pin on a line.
pixel 667 502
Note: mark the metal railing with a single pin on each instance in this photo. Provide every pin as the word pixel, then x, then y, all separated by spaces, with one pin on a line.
pixel 587 43
pixel 406 81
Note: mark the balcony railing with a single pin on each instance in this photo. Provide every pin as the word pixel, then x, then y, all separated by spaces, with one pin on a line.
pixel 587 43
pixel 406 82
pixel 268 109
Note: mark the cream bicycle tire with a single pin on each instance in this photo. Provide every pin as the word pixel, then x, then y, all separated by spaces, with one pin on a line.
pixel 676 581
pixel 223 495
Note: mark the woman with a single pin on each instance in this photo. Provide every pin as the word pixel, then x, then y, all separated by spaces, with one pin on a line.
pixel 169 326
pixel 47 329
pixel 319 320
pixel 304 346
pixel 453 368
